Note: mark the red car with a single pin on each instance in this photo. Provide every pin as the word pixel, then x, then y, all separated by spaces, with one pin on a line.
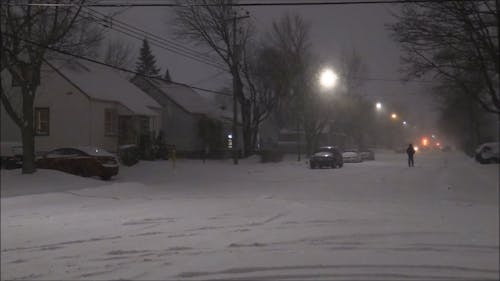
pixel 83 161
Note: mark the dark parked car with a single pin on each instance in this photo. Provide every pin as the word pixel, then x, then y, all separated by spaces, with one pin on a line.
pixel 326 156
pixel 11 155
pixel 83 161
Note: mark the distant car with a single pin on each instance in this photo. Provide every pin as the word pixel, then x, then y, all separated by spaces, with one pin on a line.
pixel 367 154
pixel 488 153
pixel 83 161
pixel 11 155
pixel 352 156
pixel 326 156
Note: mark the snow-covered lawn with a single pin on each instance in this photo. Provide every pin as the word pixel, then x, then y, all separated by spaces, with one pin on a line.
pixel 373 220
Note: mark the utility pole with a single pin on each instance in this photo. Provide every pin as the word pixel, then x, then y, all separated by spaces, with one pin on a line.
pixel 236 88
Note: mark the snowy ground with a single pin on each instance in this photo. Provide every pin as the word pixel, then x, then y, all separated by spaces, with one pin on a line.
pixel 373 220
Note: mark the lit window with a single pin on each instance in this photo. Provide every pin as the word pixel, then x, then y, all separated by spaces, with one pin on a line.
pixel 230 141
pixel 42 121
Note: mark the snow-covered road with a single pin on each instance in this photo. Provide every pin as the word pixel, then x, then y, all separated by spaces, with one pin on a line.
pixel 373 220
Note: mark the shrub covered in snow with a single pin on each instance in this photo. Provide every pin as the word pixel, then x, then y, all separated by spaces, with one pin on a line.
pixel 129 154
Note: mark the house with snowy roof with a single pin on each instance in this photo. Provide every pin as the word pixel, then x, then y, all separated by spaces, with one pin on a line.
pixel 84 104
pixel 182 111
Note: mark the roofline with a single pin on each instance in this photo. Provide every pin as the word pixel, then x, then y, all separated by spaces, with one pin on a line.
pixel 68 80
pixel 148 80
pixel 83 92
pixel 166 95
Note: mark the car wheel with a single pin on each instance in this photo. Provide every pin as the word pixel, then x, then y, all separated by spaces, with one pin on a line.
pixel 106 178
pixel 312 165
pixel 333 165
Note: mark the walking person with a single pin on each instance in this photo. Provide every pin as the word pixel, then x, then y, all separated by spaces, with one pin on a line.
pixel 411 152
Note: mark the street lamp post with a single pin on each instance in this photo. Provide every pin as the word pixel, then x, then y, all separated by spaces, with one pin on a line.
pixel 328 80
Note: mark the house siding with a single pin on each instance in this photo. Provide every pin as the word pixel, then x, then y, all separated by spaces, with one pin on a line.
pixel 99 137
pixel 10 132
pixel 75 119
pixel 179 127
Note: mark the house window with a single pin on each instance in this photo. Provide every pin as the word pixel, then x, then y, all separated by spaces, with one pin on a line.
pixel 153 124
pixel 110 122
pixel 144 124
pixel 42 121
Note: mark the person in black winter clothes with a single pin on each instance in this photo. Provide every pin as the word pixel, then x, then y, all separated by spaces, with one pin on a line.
pixel 410 151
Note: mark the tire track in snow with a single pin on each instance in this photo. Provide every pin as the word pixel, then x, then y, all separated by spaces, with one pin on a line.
pixel 55 246
pixel 249 270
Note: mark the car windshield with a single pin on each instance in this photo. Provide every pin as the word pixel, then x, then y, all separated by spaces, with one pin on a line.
pixel 323 153
pixel 326 149
pixel 64 152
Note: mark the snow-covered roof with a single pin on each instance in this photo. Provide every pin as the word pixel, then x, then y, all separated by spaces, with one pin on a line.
pixel 103 83
pixel 185 96
pixel 190 100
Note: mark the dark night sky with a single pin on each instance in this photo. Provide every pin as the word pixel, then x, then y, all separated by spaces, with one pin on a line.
pixel 333 28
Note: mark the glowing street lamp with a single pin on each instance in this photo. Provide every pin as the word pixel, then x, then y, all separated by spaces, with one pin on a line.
pixel 328 79
pixel 394 116
pixel 378 106
pixel 404 123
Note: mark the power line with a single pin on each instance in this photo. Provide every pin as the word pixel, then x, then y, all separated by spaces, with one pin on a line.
pixel 156 40
pixel 196 55
pixel 111 66
pixel 391 80
pixel 178 48
pixel 208 78
pixel 247 4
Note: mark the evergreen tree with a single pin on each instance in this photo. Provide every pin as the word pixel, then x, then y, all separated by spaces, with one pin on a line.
pixel 146 63
pixel 167 76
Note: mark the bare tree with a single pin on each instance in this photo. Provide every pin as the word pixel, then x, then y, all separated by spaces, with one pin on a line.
pixel 453 40
pixel 356 117
pixel 118 53
pixel 461 118
pixel 27 31
pixel 261 91
pixel 210 24
pixel 353 69
pixel 289 51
